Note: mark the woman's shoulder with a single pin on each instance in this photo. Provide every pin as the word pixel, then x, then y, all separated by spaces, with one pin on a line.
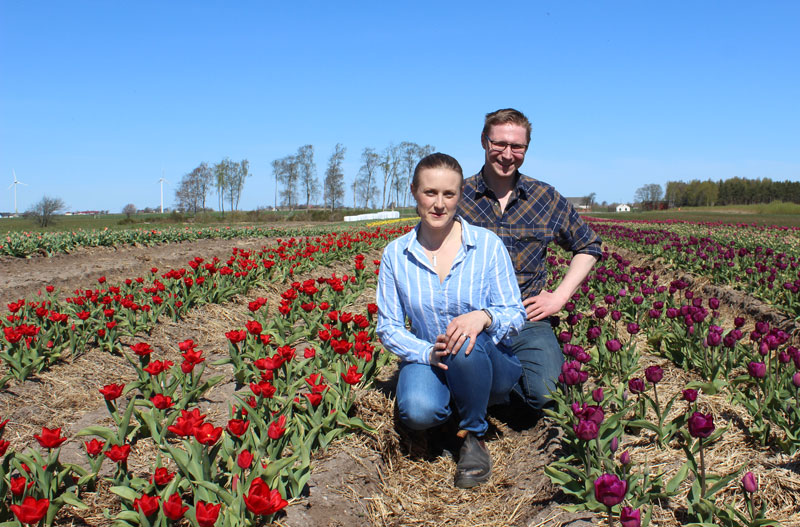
pixel 398 245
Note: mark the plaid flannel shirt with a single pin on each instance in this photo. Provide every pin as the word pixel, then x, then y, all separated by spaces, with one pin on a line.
pixel 535 215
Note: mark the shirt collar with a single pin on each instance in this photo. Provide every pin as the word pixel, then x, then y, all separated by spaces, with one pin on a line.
pixel 468 240
pixel 482 187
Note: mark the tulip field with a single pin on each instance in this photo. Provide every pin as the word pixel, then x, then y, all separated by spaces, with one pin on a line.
pixel 675 406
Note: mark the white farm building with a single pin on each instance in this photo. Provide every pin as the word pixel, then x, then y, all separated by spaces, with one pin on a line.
pixel 623 208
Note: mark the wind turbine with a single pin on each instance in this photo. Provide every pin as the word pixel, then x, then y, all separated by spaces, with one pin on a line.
pixel 14 184
pixel 162 180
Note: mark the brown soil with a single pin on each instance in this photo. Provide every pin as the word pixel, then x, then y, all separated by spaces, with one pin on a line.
pixel 391 477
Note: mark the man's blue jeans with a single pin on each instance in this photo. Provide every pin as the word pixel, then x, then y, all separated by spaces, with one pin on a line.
pixel 473 381
pixel 541 358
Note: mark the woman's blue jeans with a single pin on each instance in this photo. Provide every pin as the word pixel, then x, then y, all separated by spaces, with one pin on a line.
pixel 472 382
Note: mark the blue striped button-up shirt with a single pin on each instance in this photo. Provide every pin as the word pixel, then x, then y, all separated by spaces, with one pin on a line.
pixel 481 277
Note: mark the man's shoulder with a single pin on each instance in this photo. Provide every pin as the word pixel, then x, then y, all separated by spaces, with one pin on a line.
pixel 533 184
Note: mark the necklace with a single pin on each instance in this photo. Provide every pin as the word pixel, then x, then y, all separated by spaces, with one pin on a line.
pixel 435 253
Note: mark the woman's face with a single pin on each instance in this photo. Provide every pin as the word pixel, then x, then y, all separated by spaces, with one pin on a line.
pixel 437 193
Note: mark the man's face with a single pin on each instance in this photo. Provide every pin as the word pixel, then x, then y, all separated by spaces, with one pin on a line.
pixel 504 163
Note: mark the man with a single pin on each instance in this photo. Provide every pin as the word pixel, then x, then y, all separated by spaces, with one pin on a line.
pixel 527 215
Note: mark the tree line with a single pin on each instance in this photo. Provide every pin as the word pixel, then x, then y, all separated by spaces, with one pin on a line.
pixel 382 180
pixel 227 177
pixel 732 191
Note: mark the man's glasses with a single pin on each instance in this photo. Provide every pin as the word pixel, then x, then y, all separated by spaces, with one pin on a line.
pixel 500 146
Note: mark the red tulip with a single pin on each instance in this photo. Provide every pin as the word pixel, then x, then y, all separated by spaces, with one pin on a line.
pixel 206 513
pixel 277 428
pixel 207 433
pixel 112 391
pixel 118 454
pixel 261 500
pixel 146 504
pixel 173 508
pixel 94 447
pixel 31 511
pixel 50 438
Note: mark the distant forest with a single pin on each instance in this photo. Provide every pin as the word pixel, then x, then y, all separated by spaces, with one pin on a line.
pixel 734 191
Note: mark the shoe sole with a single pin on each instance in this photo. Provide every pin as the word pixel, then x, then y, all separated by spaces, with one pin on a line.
pixel 467 482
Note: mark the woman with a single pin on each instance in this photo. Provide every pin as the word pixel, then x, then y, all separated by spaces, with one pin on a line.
pixel 456 285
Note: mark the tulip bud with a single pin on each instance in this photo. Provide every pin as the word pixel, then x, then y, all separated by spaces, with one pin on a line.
pixel 614 444
pixel 629 517
pixel 597 393
pixel 625 458
pixel 796 379
pixel 750 483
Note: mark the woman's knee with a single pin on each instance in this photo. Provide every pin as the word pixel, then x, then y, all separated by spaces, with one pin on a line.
pixel 421 413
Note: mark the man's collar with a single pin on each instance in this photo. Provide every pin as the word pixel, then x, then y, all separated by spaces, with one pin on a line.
pixel 483 186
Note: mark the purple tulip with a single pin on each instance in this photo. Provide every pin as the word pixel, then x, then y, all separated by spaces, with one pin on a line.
pixel 690 395
pixel 750 483
pixel 654 313
pixel 597 395
pixel 614 444
pixel 796 379
pixel 625 458
pixel 713 339
pixel 600 312
pixel 713 303
pixel 585 430
pixel 613 345
pixel 610 299
pixel 653 374
pixel 633 328
pixel 757 369
pixel 701 425
pixel 593 333
pixel 762 327
pixel 738 322
pixel 616 315
pixel 565 336
pixel 610 490
pixel 636 385
pixel 630 517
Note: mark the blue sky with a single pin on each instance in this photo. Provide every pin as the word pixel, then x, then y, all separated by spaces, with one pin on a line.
pixel 97 98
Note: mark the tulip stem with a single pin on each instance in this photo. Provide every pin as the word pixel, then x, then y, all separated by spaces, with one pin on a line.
pixel 702 470
pixel 610 518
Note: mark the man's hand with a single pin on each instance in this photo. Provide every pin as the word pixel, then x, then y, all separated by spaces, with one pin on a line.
pixel 542 305
pixel 463 327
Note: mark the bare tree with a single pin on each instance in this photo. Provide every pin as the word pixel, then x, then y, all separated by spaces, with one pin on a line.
pixel 365 181
pixel 389 165
pixel 650 192
pixel 287 172
pixel 333 185
pixel 240 173
pixel 43 211
pixel 307 172
pixel 129 210
pixel 410 154
pixel 588 201
pixel 221 182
